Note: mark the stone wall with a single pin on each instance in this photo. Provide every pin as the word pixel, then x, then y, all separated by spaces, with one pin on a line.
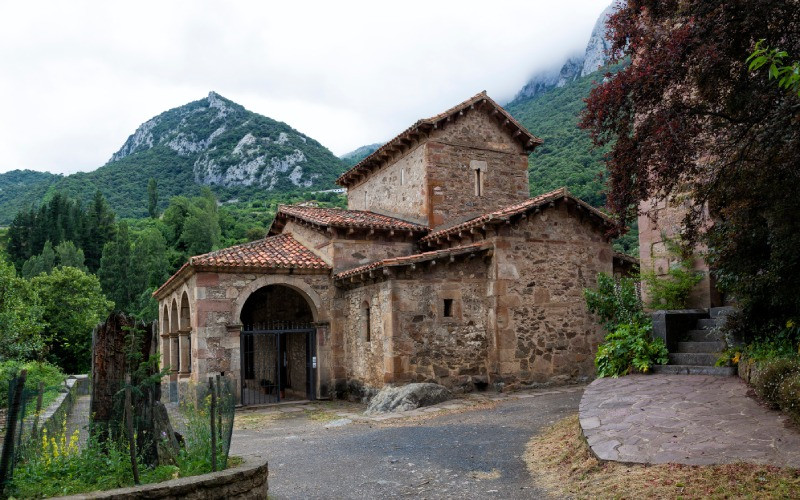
pixel 216 302
pixel 660 219
pixel 248 481
pixel 451 181
pixel 542 330
pixel 397 189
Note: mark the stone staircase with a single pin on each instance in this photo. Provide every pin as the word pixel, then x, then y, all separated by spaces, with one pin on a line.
pixel 700 347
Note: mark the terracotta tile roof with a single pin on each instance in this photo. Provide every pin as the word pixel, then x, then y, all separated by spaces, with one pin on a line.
pixel 400 143
pixel 272 252
pixel 506 213
pixel 416 258
pixel 337 217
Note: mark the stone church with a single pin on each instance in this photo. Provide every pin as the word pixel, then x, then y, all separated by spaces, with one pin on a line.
pixel 441 269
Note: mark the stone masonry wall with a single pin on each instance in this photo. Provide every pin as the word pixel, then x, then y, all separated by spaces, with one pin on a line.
pixel 389 191
pixel 215 329
pixel 659 220
pixel 451 182
pixel 542 330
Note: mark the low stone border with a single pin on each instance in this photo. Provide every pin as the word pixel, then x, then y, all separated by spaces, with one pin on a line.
pixel 245 482
pixel 53 416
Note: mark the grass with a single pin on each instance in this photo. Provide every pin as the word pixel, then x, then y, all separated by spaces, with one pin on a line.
pixel 561 462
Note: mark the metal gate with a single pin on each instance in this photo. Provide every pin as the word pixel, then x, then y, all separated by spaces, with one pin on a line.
pixel 269 359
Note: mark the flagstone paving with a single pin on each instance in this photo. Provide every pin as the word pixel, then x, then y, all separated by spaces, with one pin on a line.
pixel 695 420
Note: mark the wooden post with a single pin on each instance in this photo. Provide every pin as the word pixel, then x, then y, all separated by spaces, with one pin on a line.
pixel 129 425
pixel 6 457
pixel 211 410
pixel 34 432
pixel 219 413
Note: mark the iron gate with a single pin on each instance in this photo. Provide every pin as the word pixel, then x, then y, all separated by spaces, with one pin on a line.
pixel 269 361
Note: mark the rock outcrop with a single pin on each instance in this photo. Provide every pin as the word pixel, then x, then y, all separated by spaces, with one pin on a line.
pixel 407 397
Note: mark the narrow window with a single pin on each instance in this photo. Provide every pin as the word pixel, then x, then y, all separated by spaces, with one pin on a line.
pixel 366 333
pixel 448 308
pixel 365 200
pixel 478 183
pixel 402 176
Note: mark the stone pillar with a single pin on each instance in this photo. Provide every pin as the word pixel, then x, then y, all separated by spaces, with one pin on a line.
pixel 185 355
pixel 175 352
pixel 166 359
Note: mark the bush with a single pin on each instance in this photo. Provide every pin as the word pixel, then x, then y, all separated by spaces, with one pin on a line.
pixel 789 396
pixel 770 377
pixel 672 291
pixel 629 348
pixel 616 302
pixel 38 371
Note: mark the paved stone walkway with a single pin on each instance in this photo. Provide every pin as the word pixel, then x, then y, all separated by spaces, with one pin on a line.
pixel 695 420
pixel 79 419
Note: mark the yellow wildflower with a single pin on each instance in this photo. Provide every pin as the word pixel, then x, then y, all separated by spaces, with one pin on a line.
pixel 736 358
pixel 790 323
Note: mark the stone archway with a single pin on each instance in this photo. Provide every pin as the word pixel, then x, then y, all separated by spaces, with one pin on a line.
pixel 278 345
pixel 313 299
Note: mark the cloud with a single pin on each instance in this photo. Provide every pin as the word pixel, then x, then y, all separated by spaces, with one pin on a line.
pixel 79 77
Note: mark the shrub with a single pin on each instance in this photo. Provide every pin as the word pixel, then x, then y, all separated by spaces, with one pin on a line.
pixel 38 371
pixel 772 374
pixel 672 291
pixel 616 302
pixel 629 348
pixel 789 396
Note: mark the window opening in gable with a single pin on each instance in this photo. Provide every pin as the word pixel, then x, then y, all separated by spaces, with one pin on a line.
pixel 448 308
pixel 478 182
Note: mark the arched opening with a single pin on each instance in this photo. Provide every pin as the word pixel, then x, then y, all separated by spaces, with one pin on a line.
pixel 185 335
pixel 165 354
pixel 174 347
pixel 278 346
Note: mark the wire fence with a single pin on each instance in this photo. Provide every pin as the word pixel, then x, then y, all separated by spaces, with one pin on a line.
pixel 193 438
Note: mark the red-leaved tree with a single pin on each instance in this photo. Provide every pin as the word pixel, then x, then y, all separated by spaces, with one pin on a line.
pixel 687 118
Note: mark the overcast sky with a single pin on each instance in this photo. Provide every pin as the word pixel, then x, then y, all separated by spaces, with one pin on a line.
pixel 78 77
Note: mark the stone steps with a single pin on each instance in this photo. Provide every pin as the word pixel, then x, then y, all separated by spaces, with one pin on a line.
pixel 721 371
pixel 704 336
pixel 693 358
pixel 706 324
pixel 714 347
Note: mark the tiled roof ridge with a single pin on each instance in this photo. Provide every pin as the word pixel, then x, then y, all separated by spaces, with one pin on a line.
pixel 414 258
pixel 531 140
pixel 349 218
pixel 506 213
pixel 280 251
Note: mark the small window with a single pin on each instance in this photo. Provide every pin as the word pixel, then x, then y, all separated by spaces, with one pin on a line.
pixel 478 182
pixel 402 176
pixel 366 332
pixel 448 308
pixel 365 200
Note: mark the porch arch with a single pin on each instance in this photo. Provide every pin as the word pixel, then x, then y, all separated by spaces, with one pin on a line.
pixel 313 299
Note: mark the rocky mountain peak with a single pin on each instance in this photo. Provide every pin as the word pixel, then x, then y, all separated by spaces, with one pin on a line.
pixel 593 58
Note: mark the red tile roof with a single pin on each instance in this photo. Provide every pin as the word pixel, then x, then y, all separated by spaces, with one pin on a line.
pixel 506 213
pixel 400 143
pixel 413 259
pixel 272 252
pixel 337 217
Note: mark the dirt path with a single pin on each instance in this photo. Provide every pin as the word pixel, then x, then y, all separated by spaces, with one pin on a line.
pixel 473 452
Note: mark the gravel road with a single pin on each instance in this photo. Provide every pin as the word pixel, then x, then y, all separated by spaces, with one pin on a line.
pixel 469 453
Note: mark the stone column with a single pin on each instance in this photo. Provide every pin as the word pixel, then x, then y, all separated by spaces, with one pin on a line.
pixel 165 351
pixel 185 355
pixel 175 352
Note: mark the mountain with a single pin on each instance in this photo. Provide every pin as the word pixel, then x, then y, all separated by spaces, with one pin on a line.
pixel 209 142
pixel 22 187
pixel 359 154
pixel 577 66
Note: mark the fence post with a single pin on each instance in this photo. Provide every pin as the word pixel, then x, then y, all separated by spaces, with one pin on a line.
pixel 212 409
pixel 34 431
pixel 129 425
pixel 7 456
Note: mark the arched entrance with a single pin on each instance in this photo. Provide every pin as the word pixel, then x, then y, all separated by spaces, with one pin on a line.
pixel 278 343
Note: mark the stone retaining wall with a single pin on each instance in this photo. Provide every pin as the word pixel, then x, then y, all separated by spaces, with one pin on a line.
pixel 246 482
pixel 52 417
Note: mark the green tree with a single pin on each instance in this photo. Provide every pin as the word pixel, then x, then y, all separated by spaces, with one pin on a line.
pixel 39 264
pixel 21 320
pixel 115 271
pixel 99 230
pixel 150 268
pixel 152 198
pixel 787 75
pixel 68 255
pixel 73 303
